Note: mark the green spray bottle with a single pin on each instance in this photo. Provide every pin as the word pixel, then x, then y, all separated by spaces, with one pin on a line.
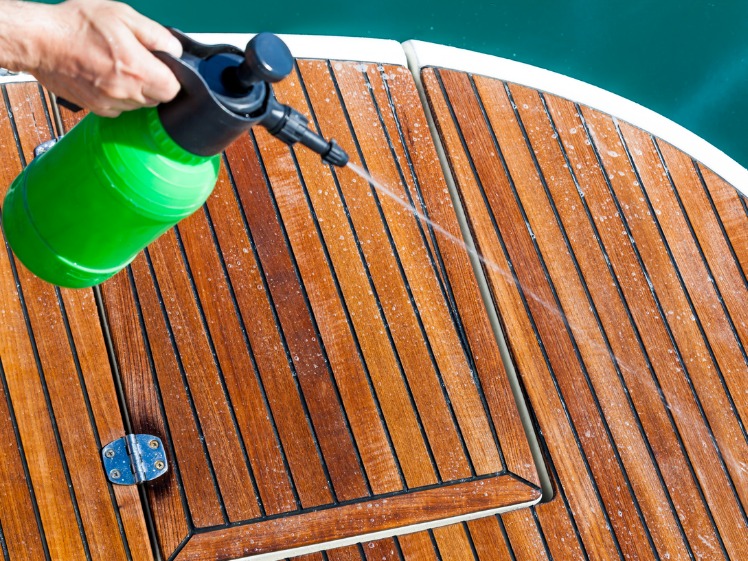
pixel 82 210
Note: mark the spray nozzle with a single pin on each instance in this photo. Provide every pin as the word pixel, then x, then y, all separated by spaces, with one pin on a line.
pixel 290 126
pixel 225 91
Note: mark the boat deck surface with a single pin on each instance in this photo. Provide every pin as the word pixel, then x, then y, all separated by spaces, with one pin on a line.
pixel 322 367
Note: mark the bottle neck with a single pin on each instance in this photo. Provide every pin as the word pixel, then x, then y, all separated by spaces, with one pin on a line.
pixel 164 143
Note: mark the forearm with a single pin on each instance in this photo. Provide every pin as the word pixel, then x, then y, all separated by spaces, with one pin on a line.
pixel 21 26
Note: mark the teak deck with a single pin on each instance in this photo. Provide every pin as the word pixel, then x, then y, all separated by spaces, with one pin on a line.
pixel 322 367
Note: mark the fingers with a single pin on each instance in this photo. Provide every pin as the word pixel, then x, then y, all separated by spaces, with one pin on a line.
pixel 103 51
pixel 160 83
pixel 153 36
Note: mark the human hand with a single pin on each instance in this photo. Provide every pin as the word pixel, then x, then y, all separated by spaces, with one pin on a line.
pixel 97 54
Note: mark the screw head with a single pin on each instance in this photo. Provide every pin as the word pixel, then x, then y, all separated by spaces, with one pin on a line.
pixel 109 453
pixel 153 444
pixel 160 465
pixel 114 474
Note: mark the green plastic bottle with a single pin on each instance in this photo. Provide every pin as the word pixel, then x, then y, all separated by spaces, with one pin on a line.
pixel 84 209
pixel 77 220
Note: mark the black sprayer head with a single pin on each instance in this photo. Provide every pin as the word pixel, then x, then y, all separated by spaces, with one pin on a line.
pixel 290 126
pixel 226 91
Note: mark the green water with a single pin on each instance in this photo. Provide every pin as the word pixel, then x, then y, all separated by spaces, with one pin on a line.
pixel 686 59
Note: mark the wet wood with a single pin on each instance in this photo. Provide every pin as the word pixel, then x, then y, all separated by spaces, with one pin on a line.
pixel 322 366
pixel 308 348
pixel 634 251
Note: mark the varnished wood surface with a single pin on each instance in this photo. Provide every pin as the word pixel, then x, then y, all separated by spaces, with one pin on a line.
pixel 58 403
pixel 625 309
pixel 624 306
pixel 620 280
pixel 306 352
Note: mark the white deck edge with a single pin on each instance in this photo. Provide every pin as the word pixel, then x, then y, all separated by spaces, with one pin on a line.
pixel 15 78
pixel 422 54
pixel 359 49
pixel 381 535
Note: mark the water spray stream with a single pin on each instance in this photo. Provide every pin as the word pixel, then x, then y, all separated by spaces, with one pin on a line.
pixel 493 266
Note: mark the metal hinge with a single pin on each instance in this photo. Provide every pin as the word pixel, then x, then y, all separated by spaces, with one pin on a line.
pixel 133 459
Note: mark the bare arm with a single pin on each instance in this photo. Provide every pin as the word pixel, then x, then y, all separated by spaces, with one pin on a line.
pixel 95 53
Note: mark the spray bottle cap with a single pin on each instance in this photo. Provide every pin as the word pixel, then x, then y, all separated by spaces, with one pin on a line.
pixel 225 91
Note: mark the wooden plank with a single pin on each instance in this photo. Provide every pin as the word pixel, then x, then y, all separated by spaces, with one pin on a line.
pixel 642 354
pixel 716 247
pixel 389 284
pixel 142 385
pixel 417 547
pixel 429 186
pixel 442 337
pixel 701 252
pixel 488 540
pixel 733 213
pixel 720 425
pixel 349 322
pixel 453 542
pixel 258 435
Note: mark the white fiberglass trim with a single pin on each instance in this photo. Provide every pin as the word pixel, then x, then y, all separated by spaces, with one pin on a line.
pixel 13 78
pixel 358 49
pixel 423 54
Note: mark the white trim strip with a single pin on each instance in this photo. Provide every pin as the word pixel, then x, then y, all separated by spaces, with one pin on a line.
pixel 14 78
pixel 421 54
pixel 359 49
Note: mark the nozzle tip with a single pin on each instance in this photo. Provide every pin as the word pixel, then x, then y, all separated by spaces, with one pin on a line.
pixel 335 155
